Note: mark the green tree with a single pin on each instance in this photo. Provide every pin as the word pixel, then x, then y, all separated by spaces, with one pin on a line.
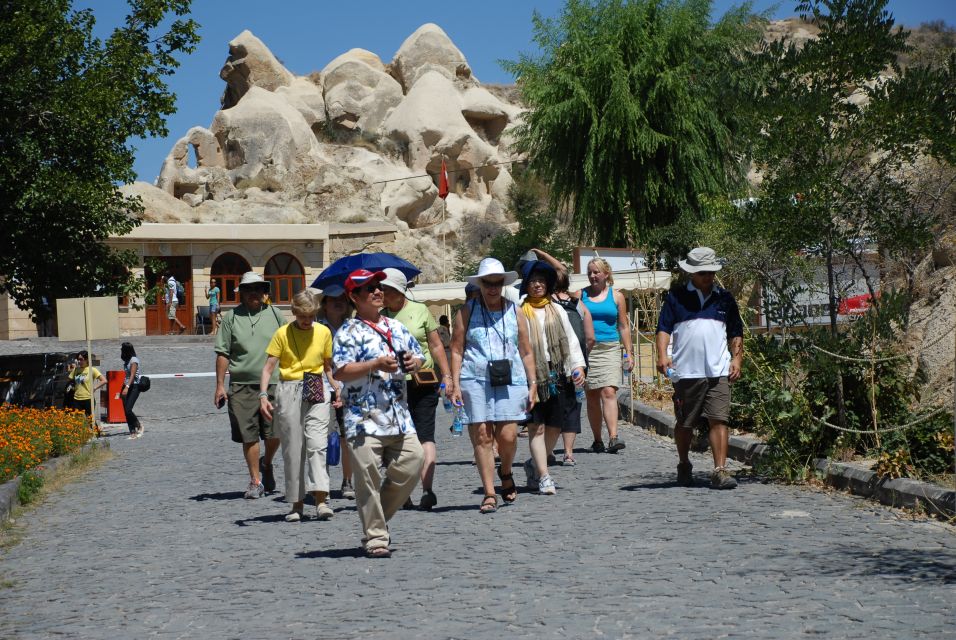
pixel 69 105
pixel 635 110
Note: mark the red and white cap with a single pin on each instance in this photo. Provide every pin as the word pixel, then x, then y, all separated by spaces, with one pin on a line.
pixel 362 277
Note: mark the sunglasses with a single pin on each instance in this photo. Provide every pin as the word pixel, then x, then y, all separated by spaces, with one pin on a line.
pixel 492 284
pixel 369 288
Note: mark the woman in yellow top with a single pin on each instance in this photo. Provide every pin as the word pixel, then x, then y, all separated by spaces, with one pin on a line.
pixel 301 347
pixel 85 383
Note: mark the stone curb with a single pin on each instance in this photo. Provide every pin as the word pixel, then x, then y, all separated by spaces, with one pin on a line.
pixel 48 469
pixel 896 492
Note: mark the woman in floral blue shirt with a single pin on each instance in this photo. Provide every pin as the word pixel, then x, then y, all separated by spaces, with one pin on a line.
pixel 378 426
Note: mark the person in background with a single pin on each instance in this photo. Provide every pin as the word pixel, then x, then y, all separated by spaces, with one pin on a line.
pixel 133 370
pixel 444 334
pixel 334 310
pixel 490 329
pixel 559 367
pixel 703 320
pixel 172 303
pixel 422 397
pixel 612 332
pixel 241 350
pixel 301 349
pixel 367 352
pixel 87 380
pixel 212 295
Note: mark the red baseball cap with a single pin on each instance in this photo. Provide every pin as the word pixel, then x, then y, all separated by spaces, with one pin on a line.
pixel 361 277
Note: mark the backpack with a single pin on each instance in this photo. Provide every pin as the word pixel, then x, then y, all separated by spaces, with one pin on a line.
pixel 180 293
pixel 577 322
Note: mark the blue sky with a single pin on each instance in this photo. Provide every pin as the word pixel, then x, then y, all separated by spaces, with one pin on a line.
pixel 307 34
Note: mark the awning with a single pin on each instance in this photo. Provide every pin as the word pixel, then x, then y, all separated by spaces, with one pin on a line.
pixel 438 293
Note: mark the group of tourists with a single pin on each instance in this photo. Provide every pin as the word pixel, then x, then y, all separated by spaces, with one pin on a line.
pixel 371 357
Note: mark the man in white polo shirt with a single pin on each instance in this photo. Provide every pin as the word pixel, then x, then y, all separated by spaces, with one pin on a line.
pixel 707 352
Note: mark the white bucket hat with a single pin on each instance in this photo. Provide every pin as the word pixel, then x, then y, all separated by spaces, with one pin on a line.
pixel 492 267
pixel 700 259
pixel 250 278
pixel 397 280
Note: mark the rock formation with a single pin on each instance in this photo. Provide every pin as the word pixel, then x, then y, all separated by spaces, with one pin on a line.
pixel 359 140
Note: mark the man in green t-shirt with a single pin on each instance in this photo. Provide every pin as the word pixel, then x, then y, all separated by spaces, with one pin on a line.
pixel 241 350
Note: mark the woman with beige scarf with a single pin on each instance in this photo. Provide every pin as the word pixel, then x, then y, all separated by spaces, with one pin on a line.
pixel 559 367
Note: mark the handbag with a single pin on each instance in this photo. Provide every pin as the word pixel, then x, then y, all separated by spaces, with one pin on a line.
pixel 424 377
pixel 499 373
pixel 144 383
pixel 313 388
pixel 334 453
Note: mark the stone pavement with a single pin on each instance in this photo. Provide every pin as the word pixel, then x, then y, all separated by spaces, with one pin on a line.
pixel 159 543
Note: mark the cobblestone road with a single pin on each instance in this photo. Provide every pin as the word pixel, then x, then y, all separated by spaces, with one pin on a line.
pixel 159 543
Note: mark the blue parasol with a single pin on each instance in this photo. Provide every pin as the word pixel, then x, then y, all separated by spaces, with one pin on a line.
pixel 338 271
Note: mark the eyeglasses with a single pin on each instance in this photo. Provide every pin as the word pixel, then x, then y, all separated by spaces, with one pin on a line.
pixel 493 284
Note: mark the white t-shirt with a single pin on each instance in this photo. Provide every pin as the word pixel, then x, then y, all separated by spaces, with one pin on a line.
pixel 170 297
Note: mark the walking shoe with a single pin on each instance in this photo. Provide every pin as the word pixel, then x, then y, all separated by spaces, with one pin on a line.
pixel 614 445
pixel 546 486
pixel 268 477
pixel 598 446
pixel 721 479
pixel 685 476
pixel 347 491
pixel 568 460
pixel 293 516
pixel 531 475
pixel 254 490
pixel 429 500
pixel 323 511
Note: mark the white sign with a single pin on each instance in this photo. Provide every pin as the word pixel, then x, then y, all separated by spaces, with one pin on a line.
pixel 619 259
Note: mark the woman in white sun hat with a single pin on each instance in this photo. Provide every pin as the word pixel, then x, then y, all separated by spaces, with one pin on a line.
pixel 493 373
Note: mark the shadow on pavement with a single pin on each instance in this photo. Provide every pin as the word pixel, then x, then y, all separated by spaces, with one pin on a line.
pixel 228 495
pixel 454 507
pixel 353 552
pixel 895 564
pixel 275 517
pixel 454 463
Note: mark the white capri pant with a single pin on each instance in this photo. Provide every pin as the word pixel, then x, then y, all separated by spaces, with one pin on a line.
pixel 303 430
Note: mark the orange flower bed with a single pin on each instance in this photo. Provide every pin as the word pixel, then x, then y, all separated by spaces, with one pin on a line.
pixel 30 436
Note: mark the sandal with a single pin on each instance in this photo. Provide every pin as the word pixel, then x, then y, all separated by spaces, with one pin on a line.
pixel 487 507
pixel 509 492
pixel 378 552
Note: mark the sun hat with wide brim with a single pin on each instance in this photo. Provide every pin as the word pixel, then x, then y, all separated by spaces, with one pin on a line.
pixel 252 279
pixel 491 267
pixel 700 259
pixel 395 279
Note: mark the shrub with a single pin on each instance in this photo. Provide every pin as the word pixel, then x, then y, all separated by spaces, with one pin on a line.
pixel 30 436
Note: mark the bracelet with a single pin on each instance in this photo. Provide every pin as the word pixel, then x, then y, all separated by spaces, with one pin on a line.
pixel 263 394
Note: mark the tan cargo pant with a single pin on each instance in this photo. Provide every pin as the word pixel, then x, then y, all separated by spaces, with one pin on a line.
pixel 378 500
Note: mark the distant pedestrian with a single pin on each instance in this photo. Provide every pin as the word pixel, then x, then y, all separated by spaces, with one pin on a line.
pixel 334 310
pixel 423 387
pixel 612 332
pixel 704 323
pixel 444 334
pixel 368 352
pixel 241 350
pixel 171 298
pixel 213 294
pixel 493 371
pixel 86 380
pixel 302 350
pixel 133 370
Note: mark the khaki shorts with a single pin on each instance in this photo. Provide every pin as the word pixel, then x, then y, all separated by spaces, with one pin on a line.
pixel 701 398
pixel 171 310
pixel 246 421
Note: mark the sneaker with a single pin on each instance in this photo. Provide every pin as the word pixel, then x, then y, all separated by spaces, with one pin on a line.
pixel 568 460
pixel 254 490
pixel 597 446
pixel 323 511
pixel 546 486
pixel 347 491
pixel 293 516
pixel 614 445
pixel 531 475
pixel 429 500
pixel 268 477
pixel 721 479
pixel 685 476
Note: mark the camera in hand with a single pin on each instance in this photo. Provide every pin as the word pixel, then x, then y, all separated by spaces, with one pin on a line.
pixel 400 356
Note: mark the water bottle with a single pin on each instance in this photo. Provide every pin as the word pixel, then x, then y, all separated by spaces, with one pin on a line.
pixel 578 391
pixel 627 372
pixel 458 425
pixel 671 371
pixel 445 402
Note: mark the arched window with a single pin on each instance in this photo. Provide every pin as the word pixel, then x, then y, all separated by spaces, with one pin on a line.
pixel 286 275
pixel 227 270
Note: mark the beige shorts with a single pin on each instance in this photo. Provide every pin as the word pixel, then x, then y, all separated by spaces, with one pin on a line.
pixel 701 398
pixel 171 310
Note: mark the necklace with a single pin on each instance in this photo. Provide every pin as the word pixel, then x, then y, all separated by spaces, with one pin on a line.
pixel 252 325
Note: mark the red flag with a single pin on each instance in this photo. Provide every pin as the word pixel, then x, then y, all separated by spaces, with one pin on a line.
pixel 443 181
